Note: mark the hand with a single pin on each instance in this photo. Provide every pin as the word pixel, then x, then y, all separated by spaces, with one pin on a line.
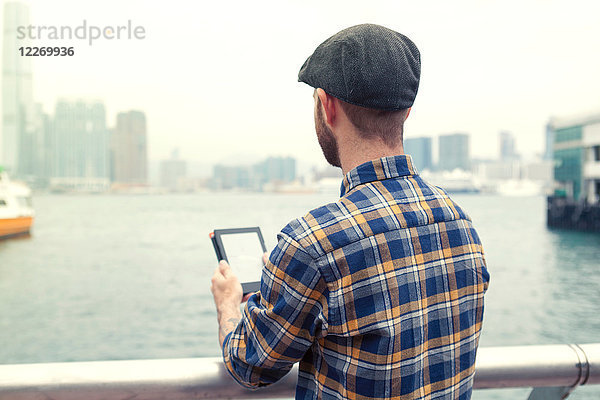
pixel 227 293
pixel 225 287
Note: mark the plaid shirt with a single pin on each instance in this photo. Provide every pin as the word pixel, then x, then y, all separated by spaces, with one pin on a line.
pixel 379 295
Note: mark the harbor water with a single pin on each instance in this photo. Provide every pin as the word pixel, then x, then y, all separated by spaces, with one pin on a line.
pixel 112 277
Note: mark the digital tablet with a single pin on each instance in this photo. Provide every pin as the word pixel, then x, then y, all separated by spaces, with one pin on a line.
pixel 243 249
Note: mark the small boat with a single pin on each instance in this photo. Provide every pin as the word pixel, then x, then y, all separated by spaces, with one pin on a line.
pixel 16 210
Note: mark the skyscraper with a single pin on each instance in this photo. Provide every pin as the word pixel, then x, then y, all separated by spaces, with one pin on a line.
pixel 129 149
pixel 275 169
pixel 171 171
pixel 507 147
pixel 454 152
pixel 420 151
pixel 232 176
pixel 17 93
pixel 80 146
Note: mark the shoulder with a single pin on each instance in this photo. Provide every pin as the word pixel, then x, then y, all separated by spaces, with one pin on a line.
pixel 370 209
pixel 312 230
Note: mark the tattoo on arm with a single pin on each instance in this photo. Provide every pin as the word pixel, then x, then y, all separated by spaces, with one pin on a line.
pixel 227 324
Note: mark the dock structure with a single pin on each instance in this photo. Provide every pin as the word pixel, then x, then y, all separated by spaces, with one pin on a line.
pixel 575 203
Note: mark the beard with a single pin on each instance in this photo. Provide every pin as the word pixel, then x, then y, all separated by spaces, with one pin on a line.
pixel 326 139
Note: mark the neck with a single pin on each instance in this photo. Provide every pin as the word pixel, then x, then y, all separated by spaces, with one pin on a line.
pixel 359 151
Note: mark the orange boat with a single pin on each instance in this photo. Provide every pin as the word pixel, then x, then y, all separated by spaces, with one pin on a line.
pixel 16 211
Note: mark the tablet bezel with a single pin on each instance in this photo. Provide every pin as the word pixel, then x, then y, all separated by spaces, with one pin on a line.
pixel 248 287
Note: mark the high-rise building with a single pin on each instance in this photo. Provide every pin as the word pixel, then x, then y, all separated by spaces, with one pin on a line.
pixel 129 150
pixel 232 176
pixel 420 151
pixel 507 147
pixel 17 94
pixel 34 146
pixel 454 152
pixel 275 169
pixel 172 171
pixel 80 147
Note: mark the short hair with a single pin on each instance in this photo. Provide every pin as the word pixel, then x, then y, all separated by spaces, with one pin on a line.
pixel 371 123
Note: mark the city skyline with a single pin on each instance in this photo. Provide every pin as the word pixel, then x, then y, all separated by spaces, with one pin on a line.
pixel 477 77
pixel 118 156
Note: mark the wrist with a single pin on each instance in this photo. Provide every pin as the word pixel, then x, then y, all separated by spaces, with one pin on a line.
pixel 226 311
pixel 228 320
pixel 227 307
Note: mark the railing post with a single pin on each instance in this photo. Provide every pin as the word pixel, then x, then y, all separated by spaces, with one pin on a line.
pixel 550 393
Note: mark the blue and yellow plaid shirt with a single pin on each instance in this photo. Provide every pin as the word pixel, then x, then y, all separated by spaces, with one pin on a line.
pixel 378 295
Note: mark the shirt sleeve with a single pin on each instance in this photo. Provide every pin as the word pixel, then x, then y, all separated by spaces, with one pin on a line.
pixel 280 322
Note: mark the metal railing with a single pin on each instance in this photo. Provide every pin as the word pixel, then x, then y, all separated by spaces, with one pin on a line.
pixel 553 371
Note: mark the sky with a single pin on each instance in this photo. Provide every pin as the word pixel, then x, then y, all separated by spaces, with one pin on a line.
pixel 218 79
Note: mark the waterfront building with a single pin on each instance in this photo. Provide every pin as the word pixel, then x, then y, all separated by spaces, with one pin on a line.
pixel 173 171
pixel 454 152
pixel 227 177
pixel 129 149
pixel 538 170
pixel 34 154
pixel 275 170
pixel 507 146
pixel 80 147
pixel 576 200
pixel 498 170
pixel 17 95
pixel 577 157
pixel 549 136
pixel 420 151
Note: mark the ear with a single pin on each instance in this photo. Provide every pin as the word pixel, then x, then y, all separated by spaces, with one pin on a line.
pixel 407 113
pixel 329 106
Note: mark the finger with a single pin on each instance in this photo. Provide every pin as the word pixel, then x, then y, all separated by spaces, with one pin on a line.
pixel 224 267
pixel 246 297
pixel 217 274
pixel 213 282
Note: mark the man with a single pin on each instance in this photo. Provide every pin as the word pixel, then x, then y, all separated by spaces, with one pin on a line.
pixel 380 294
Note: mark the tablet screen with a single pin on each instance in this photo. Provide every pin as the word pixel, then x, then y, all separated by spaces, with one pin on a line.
pixel 244 253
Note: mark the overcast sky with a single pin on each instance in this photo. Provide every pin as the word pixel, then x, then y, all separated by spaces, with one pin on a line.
pixel 219 80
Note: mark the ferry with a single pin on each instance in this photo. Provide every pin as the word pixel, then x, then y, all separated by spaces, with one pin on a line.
pixel 16 210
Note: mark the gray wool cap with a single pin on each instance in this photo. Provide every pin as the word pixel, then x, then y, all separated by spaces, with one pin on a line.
pixel 367 65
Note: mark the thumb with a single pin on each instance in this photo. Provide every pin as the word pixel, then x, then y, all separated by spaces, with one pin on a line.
pixel 224 267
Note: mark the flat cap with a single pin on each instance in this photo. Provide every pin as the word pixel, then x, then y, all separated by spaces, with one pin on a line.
pixel 367 65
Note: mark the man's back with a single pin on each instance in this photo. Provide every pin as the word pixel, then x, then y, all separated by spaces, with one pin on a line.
pixel 379 295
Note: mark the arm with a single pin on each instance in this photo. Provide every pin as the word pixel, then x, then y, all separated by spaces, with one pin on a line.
pixel 228 319
pixel 227 293
pixel 280 322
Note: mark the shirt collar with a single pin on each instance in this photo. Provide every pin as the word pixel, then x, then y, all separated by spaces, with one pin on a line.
pixel 377 170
